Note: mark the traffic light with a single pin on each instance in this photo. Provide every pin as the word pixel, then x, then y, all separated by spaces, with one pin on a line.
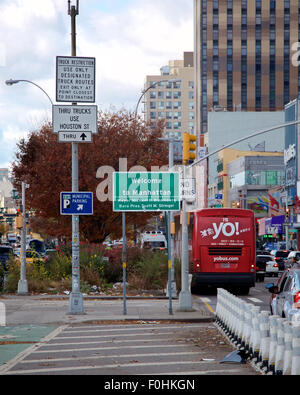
pixel 188 146
pixel 287 213
pixel 19 219
pixel 238 204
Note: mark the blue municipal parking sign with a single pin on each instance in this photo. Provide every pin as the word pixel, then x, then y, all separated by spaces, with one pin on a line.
pixel 76 203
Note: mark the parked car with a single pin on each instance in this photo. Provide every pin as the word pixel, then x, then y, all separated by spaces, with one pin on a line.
pixel 31 256
pixel 292 254
pixel 272 268
pixel 261 262
pixel 280 257
pixel 285 299
pixel 262 252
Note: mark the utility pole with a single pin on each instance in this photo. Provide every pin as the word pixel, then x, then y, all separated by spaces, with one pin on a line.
pixel 124 260
pixel 22 284
pixel 185 296
pixel 76 298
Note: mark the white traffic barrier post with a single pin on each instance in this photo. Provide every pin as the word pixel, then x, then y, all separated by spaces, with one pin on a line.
pixel 230 315
pixel 273 342
pixel 296 349
pixel 280 346
pixel 226 312
pixel 288 351
pixel 264 327
pixel 254 336
pixel 241 323
pixel 236 318
pixel 219 306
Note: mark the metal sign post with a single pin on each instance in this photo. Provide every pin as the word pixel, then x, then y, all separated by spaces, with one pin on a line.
pixel 76 298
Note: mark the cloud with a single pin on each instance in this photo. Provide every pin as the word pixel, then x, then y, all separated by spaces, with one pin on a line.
pixel 129 39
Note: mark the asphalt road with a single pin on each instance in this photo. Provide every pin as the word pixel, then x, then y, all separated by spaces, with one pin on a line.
pixel 156 349
pixel 258 296
pixel 129 348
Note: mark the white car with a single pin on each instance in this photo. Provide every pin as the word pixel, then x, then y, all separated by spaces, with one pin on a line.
pixel 272 268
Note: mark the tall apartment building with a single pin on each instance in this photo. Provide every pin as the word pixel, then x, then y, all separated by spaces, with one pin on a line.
pixel 172 101
pixel 242 55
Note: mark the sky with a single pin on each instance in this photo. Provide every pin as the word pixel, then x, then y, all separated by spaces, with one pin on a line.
pixel 129 39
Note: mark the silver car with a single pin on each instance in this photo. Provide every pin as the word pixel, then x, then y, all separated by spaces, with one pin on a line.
pixel 285 300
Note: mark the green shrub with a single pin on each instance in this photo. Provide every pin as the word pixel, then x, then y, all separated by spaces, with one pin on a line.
pixel 98 267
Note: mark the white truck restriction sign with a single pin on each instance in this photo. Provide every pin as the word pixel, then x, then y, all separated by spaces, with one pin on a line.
pixel 75 79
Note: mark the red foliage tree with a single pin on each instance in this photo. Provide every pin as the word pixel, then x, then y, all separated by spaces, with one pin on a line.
pixel 45 164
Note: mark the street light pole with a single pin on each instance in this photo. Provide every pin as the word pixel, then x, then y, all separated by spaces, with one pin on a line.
pixel 149 87
pixel 12 82
pixel 23 284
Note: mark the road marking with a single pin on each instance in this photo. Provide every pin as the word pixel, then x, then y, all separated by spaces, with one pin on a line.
pixel 107 348
pixel 205 302
pixel 73 358
pixel 48 369
pixel 157 339
pixel 126 329
pixel 116 335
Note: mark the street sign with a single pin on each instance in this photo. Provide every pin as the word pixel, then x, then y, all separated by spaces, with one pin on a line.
pixel 75 79
pixel 76 203
pixel 68 118
pixel 75 137
pixel 187 188
pixel 146 191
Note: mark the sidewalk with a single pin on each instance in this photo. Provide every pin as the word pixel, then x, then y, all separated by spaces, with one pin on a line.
pixel 48 309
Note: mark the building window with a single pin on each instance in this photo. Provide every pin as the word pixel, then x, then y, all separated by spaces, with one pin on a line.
pixel 177 125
